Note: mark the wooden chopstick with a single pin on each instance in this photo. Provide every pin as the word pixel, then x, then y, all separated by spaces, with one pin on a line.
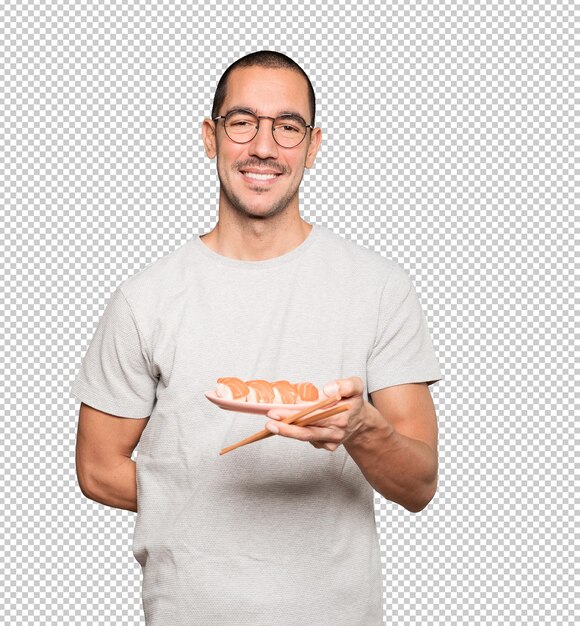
pixel 264 434
pixel 310 419
pixel 301 418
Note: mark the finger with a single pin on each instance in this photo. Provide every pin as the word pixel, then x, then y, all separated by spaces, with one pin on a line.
pixel 346 387
pixel 331 447
pixel 338 422
pixel 305 433
pixel 279 414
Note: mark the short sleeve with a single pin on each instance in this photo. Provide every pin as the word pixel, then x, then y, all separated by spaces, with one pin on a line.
pixel 116 376
pixel 402 351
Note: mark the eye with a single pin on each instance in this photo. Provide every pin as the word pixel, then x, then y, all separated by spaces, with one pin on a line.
pixel 289 126
pixel 241 120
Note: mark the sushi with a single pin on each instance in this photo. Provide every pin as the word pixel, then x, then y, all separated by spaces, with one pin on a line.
pixel 285 392
pixel 232 388
pixel 262 391
pixel 307 391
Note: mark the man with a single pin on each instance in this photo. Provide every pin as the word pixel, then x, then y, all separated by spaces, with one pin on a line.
pixel 281 531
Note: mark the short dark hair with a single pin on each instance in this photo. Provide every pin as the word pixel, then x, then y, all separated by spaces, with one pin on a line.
pixel 262 58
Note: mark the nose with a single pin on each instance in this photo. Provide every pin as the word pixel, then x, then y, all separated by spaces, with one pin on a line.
pixel 263 145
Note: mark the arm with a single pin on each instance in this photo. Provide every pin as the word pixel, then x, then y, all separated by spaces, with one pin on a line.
pixel 396 449
pixel 394 442
pixel 105 471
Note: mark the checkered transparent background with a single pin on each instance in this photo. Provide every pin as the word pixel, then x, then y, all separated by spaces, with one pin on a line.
pixel 447 146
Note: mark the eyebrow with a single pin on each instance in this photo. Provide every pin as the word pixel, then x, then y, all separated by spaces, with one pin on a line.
pixel 255 112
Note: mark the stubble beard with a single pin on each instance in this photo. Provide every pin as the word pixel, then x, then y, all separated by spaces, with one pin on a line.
pixel 246 210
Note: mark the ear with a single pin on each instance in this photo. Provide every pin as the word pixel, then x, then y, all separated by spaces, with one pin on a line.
pixel 315 139
pixel 208 134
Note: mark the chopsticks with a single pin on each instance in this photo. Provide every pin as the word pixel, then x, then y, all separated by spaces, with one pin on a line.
pixel 301 418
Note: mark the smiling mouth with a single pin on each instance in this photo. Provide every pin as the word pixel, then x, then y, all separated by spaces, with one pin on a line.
pixel 260 178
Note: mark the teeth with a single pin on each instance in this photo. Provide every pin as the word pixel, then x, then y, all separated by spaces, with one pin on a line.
pixel 260 176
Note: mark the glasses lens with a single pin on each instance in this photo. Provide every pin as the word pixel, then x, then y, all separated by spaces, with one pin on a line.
pixel 241 126
pixel 289 131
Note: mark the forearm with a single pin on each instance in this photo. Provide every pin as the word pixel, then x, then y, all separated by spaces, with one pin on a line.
pixel 401 469
pixel 116 488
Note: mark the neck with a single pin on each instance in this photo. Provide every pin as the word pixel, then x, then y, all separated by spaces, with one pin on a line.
pixel 257 240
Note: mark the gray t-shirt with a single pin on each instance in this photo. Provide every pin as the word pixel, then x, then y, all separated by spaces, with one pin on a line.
pixel 276 532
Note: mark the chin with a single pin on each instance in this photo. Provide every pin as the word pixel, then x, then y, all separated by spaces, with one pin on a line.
pixel 259 210
pixel 262 213
pixel 258 207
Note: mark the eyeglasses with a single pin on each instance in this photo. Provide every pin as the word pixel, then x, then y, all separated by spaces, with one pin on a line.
pixel 242 126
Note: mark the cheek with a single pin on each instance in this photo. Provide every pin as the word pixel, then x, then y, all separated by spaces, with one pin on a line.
pixel 227 156
pixel 296 166
pixel 225 167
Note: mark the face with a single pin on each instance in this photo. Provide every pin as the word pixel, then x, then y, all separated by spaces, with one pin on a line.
pixel 269 92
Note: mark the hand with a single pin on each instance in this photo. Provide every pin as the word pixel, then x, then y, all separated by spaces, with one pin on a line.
pixel 331 432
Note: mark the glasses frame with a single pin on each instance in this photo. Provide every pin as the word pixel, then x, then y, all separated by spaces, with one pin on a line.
pixel 261 117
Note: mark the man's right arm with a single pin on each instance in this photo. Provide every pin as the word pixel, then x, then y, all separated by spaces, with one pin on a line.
pixel 105 471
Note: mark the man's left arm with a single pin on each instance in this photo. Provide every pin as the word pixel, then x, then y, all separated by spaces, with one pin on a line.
pixel 394 442
pixel 397 451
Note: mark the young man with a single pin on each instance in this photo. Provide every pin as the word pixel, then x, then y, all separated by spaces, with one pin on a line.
pixel 281 531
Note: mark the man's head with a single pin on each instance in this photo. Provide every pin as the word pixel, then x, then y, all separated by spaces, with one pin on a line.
pixel 264 59
pixel 268 84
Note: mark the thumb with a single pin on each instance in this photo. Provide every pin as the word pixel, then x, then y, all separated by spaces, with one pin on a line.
pixel 331 388
pixel 346 387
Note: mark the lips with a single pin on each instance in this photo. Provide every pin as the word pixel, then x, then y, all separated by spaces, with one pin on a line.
pixel 261 172
pixel 260 176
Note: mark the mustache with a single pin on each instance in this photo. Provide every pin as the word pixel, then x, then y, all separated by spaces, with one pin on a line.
pixel 261 165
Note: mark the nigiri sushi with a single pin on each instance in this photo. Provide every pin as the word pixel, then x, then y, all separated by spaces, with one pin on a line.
pixel 260 391
pixel 307 392
pixel 232 388
pixel 284 392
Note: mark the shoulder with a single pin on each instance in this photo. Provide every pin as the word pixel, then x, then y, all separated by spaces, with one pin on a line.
pixel 160 280
pixel 367 264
